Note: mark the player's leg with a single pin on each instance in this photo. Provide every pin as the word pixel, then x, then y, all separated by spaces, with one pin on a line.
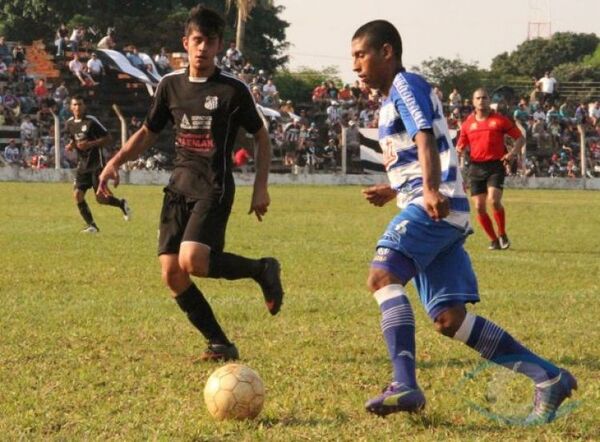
pixel 110 200
pixel 173 219
pixel 478 175
pixel 202 254
pixel 395 263
pixel 452 273
pixel 494 194
pixel 82 183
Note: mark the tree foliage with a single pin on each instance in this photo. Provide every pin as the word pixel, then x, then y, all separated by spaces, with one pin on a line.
pixel 298 85
pixel 534 57
pixel 450 73
pixel 148 24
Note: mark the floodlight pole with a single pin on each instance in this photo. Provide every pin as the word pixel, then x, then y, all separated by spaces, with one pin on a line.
pixel 56 140
pixel 582 153
pixel 123 124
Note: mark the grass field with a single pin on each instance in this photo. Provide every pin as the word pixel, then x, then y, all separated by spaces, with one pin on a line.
pixel 92 346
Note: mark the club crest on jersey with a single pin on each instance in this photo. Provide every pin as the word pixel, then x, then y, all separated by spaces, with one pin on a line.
pixel 185 122
pixel 211 102
pixel 83 127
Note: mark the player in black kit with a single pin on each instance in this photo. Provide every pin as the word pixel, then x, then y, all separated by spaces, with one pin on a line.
pixel 207 107
pixel 88 136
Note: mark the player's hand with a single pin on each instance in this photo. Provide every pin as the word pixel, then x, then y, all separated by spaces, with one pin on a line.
pixel 507 157
pixel 108 173
pixel 83 145
pixel 260 203
pixel 436 205
pixel 379 195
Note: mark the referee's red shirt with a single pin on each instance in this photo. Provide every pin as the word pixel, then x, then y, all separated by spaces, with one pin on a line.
pixel 486 137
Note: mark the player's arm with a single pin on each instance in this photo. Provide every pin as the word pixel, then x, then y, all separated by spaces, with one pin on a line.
pixel 379 195
pixel 99 142
pixel 436 204
pixel 260 195
pixel 518 141
pixel 139 142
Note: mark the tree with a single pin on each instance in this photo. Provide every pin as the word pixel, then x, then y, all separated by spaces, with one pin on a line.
pixel 298 85
pixel 534 57
pixel 450 73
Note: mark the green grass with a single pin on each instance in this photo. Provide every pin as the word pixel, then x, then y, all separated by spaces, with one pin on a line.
pixel 92 346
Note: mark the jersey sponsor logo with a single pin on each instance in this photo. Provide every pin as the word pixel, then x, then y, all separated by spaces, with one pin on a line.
pixel 211 102
pixel 195 122
pixel 202 143
pixel 389 154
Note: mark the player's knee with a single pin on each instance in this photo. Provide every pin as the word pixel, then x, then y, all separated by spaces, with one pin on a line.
pixel 193 264
pixel 496 204
pixel 448 322
pixel 379 279
pixel 174 277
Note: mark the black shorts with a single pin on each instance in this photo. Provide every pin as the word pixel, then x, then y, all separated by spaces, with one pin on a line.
pixel 87 179
pixel 203 221
pixel 486 174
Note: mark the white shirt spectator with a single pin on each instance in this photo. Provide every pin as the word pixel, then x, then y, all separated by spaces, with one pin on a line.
pixel 28 130
pixel 11 153
pixel 75 66
pixel 269 89
pixel 162 61
pixel 3 69
pixel 548 84
pixel 95 66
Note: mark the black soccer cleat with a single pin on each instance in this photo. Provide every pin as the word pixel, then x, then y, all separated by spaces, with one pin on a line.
pixel 504 242
pixel 270 283
pixel 495 245
pixel 220 352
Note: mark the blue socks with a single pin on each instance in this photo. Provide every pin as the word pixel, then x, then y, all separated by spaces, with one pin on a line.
pixel 398 327
pixel 496 345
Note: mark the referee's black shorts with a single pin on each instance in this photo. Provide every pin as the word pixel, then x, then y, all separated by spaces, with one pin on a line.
pixel 203 221
pixel 486 174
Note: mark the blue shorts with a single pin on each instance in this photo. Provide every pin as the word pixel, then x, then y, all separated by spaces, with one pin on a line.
pixel 444 275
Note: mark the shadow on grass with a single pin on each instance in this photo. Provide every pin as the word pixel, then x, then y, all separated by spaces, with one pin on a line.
pixel 294 421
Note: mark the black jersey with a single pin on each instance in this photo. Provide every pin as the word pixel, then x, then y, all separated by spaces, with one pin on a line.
pixel 206 115
pixel 90 129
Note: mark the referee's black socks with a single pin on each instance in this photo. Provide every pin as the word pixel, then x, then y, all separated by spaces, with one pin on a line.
pixel 198 311
pixel 230 266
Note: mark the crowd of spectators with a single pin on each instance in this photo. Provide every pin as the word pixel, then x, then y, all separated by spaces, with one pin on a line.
pixel 307 139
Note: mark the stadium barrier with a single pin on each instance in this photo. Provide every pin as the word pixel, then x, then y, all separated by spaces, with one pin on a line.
pixel 154 177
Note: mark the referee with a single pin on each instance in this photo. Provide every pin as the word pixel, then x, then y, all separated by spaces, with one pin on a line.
pixel 483 133
pixel 207 107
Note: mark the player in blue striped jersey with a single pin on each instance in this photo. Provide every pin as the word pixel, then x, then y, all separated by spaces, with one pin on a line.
pixel 425 240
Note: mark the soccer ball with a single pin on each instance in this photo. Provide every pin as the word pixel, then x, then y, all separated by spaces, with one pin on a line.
pixel 234 391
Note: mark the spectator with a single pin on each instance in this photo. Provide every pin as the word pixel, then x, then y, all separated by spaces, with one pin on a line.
pixel 3 70
pixel 28 129
pixel 594 113
pixel 61 40
pixel 439 93
pixel 40 91
pixel 163 64
pixel 95 67
pixel 334 115
pixel 80 71
pixel 5 53
pixel 108 41
pixel 61 93
pixel 548 87
pixel 319 93
pixel 135 59
pixel 581 113
pixel 12 155
pixel 269 93
pixel 454 99
pixel 234 57
pixel 332 91
pixel 345 96
pixel 76 39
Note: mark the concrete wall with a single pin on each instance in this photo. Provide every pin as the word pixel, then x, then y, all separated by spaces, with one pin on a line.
pixel 161 178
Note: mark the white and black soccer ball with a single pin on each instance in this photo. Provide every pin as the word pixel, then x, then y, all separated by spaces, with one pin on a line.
pixel 234 391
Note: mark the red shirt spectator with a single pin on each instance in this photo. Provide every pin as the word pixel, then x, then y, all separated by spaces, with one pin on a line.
pixel 40 90
pixel 486 137
pixel 241 157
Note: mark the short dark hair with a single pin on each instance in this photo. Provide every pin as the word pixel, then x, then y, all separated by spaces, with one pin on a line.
pixel 380 32
pixel 78 98
pixel 205 20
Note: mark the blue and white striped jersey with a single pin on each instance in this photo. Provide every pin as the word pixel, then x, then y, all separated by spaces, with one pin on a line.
pixel 411 106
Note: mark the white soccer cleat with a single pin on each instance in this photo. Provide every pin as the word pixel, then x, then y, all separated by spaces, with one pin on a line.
pixel 91 229
pixel 127 212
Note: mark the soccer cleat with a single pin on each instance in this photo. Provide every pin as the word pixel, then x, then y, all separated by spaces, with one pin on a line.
pixel 396 397
pixel 220 352
pixel 494 245
pixel 92 228
pixel 270 283
pixel 548 398
pixel 126 210
pixel 504 242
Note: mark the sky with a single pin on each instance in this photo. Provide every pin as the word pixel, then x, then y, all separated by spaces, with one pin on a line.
pixel 476 31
